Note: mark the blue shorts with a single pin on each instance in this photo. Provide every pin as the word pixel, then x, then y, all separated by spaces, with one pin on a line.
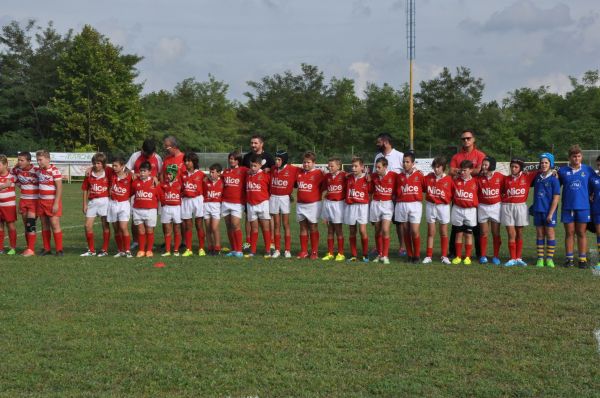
pixel 578 216
pixel 596 218
pixel 539 219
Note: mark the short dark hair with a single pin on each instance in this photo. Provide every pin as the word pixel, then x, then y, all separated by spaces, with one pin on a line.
pixel 148 146
pixel 216 166
pixel 598 158
pixel 256 158
pixel 410 155
pixel 145 166
pixel 258 136
pixel 466 164
pixel 192 157
pixel 468 131
pixel 383 161
pixel 309 155
pixel 385 137
pixel 119 160
pixel 99 157
pixel 358 159
pixel 439 161
pixel 237 155
pixel 26 155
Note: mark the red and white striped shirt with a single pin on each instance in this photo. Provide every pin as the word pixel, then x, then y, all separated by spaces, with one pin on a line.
pixel 47 181
pixel 383 186
pixel 213 190
pixel 27 182
pixel 8 197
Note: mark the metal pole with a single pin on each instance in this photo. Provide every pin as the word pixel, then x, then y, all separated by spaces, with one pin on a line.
pixel 411 110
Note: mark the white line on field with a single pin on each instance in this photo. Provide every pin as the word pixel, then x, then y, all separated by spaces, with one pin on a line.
pixel 62 229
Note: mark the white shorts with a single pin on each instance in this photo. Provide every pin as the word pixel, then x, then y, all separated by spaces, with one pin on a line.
pixel 279 204
pixel 259 211
pixel 356 214
pixel 170 214
pixel 514 214
pixel 437 213
pixel 464 216
pixel 97 208
pixel 487 213
pixel 333 211
pixel 118 211
pixel 144 216
pixel 381 210
pixel 232 209
pixel 408 212
pixel 212 210
pixel 308 211
pixel 192 207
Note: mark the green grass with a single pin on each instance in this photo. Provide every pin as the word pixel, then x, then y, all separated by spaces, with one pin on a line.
pixel 224 327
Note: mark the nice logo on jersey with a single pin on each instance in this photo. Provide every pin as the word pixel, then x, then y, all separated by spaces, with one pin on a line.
pixel 464 194
pixel 143 195
pixel 516 191
pixel 188 186
pixel 213 194
pixel 383 190
pixel 231 181
pixel 98 188
pixel 119 190
pixel 172 196
pixel 252 186
pixel 305 186
pixel 334 188
pixel 409 189
pixel 435 191
pixel 490 191
pixel 353 193
pixel 279 183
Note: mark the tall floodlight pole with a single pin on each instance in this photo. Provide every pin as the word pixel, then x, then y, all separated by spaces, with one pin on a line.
pixel 410 42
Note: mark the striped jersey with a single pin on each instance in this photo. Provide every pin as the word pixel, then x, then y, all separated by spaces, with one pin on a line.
pixel 27 181
pixel 47 181
pixel 8 196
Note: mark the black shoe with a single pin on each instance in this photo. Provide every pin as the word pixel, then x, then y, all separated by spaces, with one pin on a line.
pixel 415 260
pixel 45 252
pixel 583 265
pixel 569 263
pixel 60 253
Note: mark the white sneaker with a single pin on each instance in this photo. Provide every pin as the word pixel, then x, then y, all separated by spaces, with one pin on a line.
pixel 377 259
pixel 385 260
pixel 287 254
pixel 427 260
pixel 276 254
pixel 119 254
pixel 246 246
pixel 446 260
pixel 88 254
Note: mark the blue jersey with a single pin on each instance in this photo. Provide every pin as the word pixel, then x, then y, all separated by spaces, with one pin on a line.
pixel 575 194
pixel 544 189
pixel 595 190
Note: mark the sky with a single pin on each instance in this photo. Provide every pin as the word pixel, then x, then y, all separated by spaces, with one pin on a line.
pixel 509 44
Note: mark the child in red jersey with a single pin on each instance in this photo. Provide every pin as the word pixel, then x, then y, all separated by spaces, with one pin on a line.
pixel 489 184
pixel 257 194
pixel 310 187
pixel 333 208
pixel 192 204
pixel 170 211
pixel 514 214
pixel 438 195
pixel 146 191
pixel 381 212
pixel 95 203
pixel 356 212
pixel 213 192
pixel 49 208
pixel 283 179
pixel 8 207
pixel 409 207
pixel 119 206
pixel 26 179
pixel 464 211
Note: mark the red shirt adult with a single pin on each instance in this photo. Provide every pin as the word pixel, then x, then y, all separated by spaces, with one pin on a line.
pixel 357 189
pixel 409 186
pixel 146 194
pixel 192 183
pixel 257 187
pixel 310 186
pixel 515 189
pixel 139 157
pixel 335 185
pixel 234 185
pixel 213 190
pixel 438 190
pixel 97 184
pixel 283 180
pixel 464 193
pixel 120 187
pixel 383 186
pixel 474 155
pixel 176 160
pixel 27 181
pixel 170 193
pixel 489 188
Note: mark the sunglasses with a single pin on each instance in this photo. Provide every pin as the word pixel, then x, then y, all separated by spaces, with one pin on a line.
pixel 466 138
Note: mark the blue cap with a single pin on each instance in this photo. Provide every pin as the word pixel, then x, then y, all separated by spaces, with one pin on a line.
pixel 548 156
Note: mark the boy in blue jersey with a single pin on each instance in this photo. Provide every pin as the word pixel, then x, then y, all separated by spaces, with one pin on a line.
pixel 575 210
pixel 595 191
pixel 545 201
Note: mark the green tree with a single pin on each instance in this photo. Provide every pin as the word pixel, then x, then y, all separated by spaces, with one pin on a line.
pixel 97 102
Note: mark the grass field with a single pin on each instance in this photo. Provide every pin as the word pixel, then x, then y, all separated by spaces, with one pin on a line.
pixel 211 326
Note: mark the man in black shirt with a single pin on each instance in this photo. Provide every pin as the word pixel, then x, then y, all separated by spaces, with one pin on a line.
pixel 257 147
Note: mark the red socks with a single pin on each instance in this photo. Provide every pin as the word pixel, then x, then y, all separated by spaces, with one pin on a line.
pixel 444 243
pixel 277 242
pixel 253 241
pixel 31 237
pixel 340 244
pixel 365 246
pixel 239 240
pixel 142 242
pixel 105 240
pixel 519 251
pixel 288 242
pixel 353 246
pixel 429 252
pixel 188 240
pixel 385 250
pixel 126 243
pixel 167 243
pixel 46 236
pixel 468 250
pixel 512 248
pixel 89 236
pixel 267 239
pixel 149 241
pixel 314 241
pixel 416 246
pixel 58 241
pixel 201 236
pixel 177 241
pixel 458 249
pixel 483 242
pixel 329 245
pixel 379 244
pixel 497 244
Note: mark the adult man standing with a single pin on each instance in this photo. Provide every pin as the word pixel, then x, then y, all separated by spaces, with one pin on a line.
pixel 468 152
pixel 395 158
pixel 147 154
pixel 257 144
pixel 174 158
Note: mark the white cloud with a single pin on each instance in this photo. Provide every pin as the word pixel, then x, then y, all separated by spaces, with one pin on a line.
pixel 169 49
pixel 364 75
pixel 558 83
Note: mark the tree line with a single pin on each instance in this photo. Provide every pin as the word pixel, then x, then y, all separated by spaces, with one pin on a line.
pixel 78 92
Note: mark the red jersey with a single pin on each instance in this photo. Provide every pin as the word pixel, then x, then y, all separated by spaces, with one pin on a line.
pixel 192 183
pixel 357 189
pixel 154 161
pixel 335 186
pixel 516 189
pixel 97 184
pixel 234 185
pixel 465 192
pixel 27 181
pixel 8 197
pixel 489 188
pixel 146 195
pixel 213 190
pixel 257 187
pixel 383 187
pixel 120 188
pixel 46 180
pixel 283 180
pixel 437 190
pixel 176 160
pixel 310 185
pixel 170 193
pixel 409 187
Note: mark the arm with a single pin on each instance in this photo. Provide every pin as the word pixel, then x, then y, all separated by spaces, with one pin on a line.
pixel 553 207
pixel 58 197
pixel 85 201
